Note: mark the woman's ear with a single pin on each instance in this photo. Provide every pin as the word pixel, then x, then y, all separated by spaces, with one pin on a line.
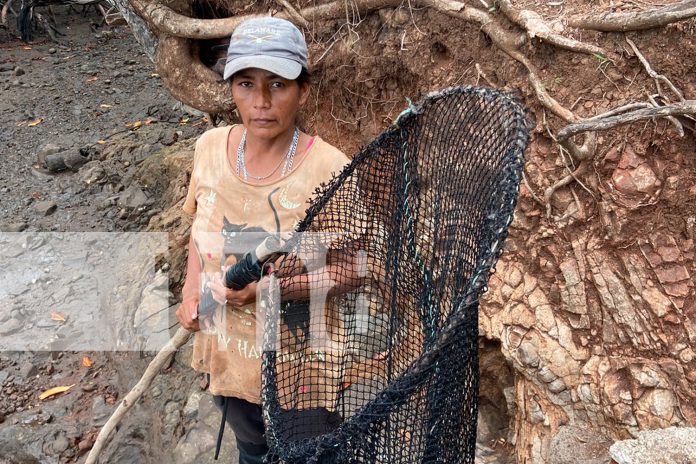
pixel 304 93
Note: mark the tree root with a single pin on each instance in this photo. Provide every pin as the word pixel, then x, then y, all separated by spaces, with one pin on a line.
pixel 651 72
pixel 572 176
pixel 293 13
pixel 535 26
pixel 3 16
pixel 603 122
pixel 618 22
pixel 163 357
pixel 616 117
pixel 172 23
pixel 178 65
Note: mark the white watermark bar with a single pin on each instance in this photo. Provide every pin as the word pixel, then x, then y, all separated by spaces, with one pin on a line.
pixel 87 291
pixel 312 266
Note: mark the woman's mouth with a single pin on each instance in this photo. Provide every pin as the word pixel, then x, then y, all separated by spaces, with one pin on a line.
pixel 262 121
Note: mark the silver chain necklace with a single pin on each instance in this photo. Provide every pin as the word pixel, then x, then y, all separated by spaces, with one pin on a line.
pixel 287 161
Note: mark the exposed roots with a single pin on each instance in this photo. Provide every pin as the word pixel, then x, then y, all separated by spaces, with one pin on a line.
pixel 179 66
pixel 535 26
pixel 651 72
pixel 167 21
pixel 571 177
pixel 618 22
pixel 603 122
pixel 5 8
pixel 293 13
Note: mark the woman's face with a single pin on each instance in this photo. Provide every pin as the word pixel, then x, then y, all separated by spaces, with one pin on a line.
pixel 267 103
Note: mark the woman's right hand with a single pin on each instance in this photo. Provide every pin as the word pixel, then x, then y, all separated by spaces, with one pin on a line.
pixel 187 314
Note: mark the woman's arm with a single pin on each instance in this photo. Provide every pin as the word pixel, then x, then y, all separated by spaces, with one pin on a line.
pixel 187 313
pixel 340 275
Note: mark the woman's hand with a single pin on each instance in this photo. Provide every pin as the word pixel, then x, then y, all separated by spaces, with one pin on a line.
pixel 187 314
pixel 236 298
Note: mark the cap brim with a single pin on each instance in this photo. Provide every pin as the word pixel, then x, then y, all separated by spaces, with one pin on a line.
pixel 283 67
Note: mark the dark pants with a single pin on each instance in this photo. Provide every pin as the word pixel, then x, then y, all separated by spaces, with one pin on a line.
pixel 245 419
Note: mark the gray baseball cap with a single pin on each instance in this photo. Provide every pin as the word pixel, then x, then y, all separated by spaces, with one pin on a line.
pixel 272 44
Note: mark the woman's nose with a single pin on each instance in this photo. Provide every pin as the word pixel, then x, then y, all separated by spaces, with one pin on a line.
pixel 262 98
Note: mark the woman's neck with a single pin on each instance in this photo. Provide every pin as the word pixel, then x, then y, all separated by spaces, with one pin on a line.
pixel 262 150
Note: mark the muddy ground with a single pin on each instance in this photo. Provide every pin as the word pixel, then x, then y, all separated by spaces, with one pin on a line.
pixel 78 118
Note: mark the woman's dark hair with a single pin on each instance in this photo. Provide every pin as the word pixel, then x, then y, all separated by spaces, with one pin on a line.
pixel 304 78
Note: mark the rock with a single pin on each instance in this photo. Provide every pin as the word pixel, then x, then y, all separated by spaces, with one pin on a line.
pixel 575 444
pixel 662 404
pixel 91 173
pixel 45 208
pixel 85 444
pixel 74 160
pixel 6 67
pixel 528 354
pixel 14 227
pixel 19 71
pixel 671 274
pixel 10 326
pixel 46 150
pixel 169 138
pixel 191 408
pixel 133 197
pixel 60 444
pixel 670 445
pixel 100 411
pixel 35 419
pixel 55 162
pixel 28 370
pixel 172 417
pixel 88 386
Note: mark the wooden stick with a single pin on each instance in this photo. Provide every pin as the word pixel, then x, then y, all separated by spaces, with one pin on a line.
pixel 177 341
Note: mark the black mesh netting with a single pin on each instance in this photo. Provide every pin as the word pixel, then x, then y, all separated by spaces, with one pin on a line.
pixel 385 368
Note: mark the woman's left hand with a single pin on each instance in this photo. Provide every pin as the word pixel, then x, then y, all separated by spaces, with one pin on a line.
pixel 236 298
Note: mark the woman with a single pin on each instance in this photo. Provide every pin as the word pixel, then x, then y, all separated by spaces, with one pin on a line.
pixel 248 181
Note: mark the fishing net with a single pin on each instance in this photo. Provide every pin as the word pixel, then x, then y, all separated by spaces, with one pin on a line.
pixel 380 365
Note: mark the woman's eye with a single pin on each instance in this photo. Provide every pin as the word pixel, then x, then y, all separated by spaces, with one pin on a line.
pixel 244 84
pixel 277 84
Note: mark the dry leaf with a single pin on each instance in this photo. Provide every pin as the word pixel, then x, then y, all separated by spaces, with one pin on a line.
pixel 148 121
pixel 86 362
pixel 54 391
pixel 104 105
pixel 101 142
pixel 26 48
pixel 135 125
pixel 35 122
pixel 57 317
pixel 154 75
pixel 92 79
pixel 184 121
